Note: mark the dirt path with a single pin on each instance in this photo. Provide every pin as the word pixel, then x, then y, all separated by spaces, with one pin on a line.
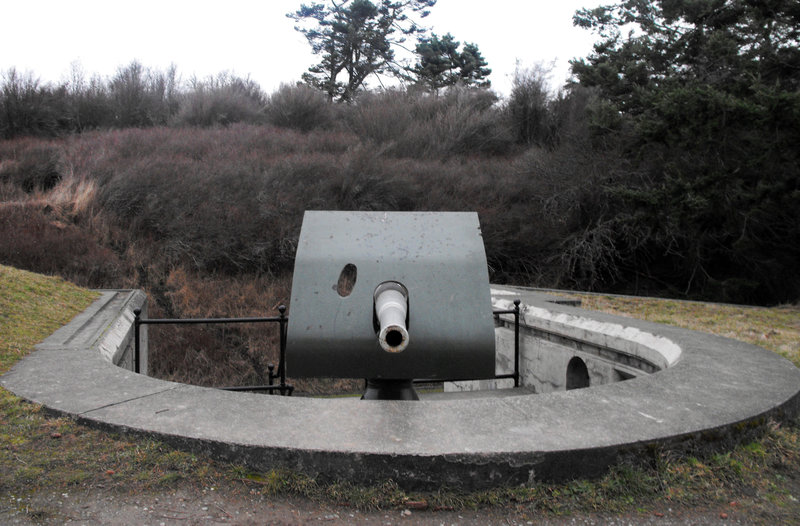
pixel 191 506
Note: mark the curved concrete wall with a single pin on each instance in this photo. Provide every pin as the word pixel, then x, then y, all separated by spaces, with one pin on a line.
pixel 551 339
pixel 715 391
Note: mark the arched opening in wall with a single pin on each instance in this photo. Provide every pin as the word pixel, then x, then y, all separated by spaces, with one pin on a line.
pixel 577 374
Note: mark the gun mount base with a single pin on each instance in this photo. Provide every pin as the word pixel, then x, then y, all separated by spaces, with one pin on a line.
pixel 381 389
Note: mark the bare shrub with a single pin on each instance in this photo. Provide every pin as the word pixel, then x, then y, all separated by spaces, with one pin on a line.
pixel 201 195
pixel 221 100
pixel 569 188
pixel 31 165
pixel 88 101
pixel 469 123
pixel 363 180
pixel 331 142
pixel 142 97
pixel 10 191
pixel 462 121
pixel 231 201
pixel 382 117
pixel 514 230
pixel 34 242
pixel 28 107
pixel 299 107
pixel 530 107
pixel 218 355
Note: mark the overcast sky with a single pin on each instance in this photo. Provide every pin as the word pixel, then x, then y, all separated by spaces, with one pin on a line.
pixel 254 38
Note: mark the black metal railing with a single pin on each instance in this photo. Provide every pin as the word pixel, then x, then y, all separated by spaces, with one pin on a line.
pixel 283 388
pixel 287 389
pixel 515 375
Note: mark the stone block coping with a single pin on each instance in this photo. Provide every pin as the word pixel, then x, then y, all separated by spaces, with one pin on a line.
pixel 713 391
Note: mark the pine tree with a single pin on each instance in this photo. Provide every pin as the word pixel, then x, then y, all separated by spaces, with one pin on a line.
pixel 356 39
pixel 440 63
pixel 703 98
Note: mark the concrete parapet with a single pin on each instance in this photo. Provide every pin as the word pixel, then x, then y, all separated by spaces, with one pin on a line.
pixel 713 391
pixel 106 327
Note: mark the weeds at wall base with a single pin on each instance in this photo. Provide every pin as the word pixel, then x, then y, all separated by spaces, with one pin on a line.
pixel 748 476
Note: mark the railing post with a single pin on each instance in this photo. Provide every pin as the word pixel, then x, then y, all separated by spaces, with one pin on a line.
pixel 136 324
pixel 271 375
pixel 282 363
pixel 516 342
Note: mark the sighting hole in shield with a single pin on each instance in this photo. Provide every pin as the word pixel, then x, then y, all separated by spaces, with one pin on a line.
pixel 347 280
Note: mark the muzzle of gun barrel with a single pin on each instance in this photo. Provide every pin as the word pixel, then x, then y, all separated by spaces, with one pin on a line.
pixel 391 311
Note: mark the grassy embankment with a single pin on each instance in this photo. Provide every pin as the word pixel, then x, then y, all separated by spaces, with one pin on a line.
pixel 40 452
pixel 760 478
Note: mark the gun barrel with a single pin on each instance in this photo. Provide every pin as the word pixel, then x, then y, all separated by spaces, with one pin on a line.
pixel 391 309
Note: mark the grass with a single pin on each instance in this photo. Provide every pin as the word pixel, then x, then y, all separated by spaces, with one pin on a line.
pixel 32 307
pixel 760 478
pixel 776 329
pixel 40 452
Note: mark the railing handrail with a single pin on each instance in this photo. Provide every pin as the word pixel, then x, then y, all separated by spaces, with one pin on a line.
pixel 181 321
pixel 282 319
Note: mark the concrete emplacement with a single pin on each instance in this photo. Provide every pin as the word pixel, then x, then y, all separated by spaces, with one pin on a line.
pixel 704 391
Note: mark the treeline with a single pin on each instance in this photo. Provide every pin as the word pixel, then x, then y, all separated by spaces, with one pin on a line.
pixel 472 119
pixel 135 96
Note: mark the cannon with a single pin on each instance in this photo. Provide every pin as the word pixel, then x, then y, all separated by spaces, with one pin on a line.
pixel 390 297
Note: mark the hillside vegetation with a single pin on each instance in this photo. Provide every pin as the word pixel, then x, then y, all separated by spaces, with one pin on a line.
pixel 207 220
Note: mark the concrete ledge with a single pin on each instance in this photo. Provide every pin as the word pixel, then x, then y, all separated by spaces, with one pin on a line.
pixel 714 392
